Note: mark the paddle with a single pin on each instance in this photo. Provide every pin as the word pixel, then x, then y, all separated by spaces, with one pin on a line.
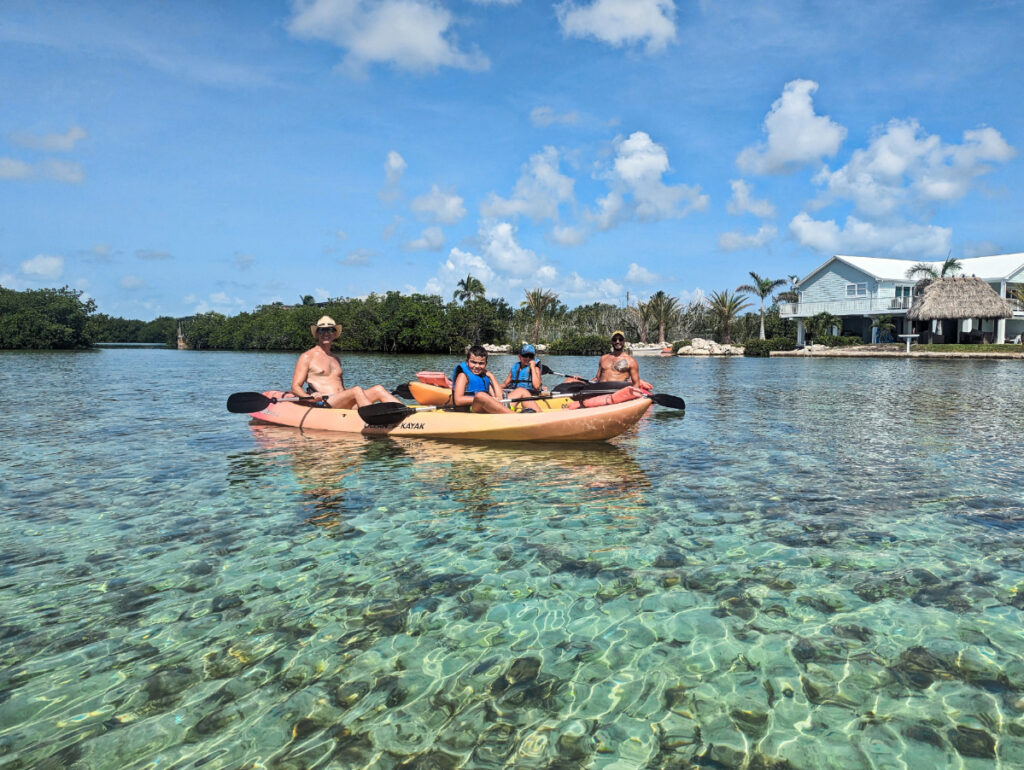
pixel 402 391
pixel 247 403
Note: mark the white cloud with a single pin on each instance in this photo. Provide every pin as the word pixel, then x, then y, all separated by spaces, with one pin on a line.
pixel 574 288
pixel 431 239
pixel 503 252
pixel 546 116
pixel 50 142
pixel 567 235
pixel 621 22
pixel 637 187
pixel 904 166
pixel 796 136
pixel 742 202
pixel 322 295
pixel 733 241
pixel 358 257
pixel 394 168
pixel 131 282
pixel 219 301
pixel 50 170
pixel 439 206
pixel 43 266
pixel 408 34
pixel 859 237
pixel 638 274
pixel 539 191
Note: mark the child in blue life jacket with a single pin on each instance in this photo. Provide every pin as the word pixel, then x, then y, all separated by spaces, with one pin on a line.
pixel 475 387
pixel 525 372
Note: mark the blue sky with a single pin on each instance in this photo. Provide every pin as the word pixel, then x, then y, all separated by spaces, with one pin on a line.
pixel 178 157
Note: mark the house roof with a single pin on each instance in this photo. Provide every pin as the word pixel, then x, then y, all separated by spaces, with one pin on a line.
pixel 998 267
pixel 956 298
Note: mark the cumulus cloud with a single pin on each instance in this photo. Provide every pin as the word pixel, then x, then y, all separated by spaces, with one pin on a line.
pixel 440 206
pixel 567 235
pixel 48 170
pixel 431 239
pixel 502 250
pixel 546 116
pixel 621 22
pixel 637 187
pixel 50 142
pixel 539 191
pixel 795 135
pixel 905 166
pixel 574 288
pixel 743 203
pixel 414 35
pixel 219 301
pixel 733 241
pixel 43 266
pixel 394 168
pixel 641 275
pixel 905 240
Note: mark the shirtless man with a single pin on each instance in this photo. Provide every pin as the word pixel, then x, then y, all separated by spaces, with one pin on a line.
pixel 619 366
pixel 319 367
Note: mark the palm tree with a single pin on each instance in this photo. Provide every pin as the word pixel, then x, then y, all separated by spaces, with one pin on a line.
pixel 763 288
pixel 724 306
pixel 664 311
pixel 885 326
pixel 821 324
pixel 792 294
pixel 539 301
pixel 468 288
pixel 639 316
pixel 951 265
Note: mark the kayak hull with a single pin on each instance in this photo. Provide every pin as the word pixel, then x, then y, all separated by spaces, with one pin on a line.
pixel 433 395
pixel 594 424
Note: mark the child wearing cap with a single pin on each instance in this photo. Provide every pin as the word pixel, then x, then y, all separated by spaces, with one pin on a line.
pixel 525 372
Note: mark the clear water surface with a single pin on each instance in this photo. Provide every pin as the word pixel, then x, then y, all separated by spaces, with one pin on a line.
pixel 818 565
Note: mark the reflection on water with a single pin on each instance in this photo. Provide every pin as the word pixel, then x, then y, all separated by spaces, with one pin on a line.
pixel 819 565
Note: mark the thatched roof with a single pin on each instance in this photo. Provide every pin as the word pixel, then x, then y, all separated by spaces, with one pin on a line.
pixel 956 298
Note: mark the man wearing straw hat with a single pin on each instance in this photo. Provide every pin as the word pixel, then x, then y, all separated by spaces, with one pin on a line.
pixel 321 369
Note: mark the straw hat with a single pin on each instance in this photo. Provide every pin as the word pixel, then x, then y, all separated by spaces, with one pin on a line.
pixel 326 322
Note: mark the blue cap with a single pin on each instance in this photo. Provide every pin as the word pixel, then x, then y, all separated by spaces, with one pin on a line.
pixel 526 349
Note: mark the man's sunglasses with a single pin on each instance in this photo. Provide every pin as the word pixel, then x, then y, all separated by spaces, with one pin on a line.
pixel 526 355
pixel 324 329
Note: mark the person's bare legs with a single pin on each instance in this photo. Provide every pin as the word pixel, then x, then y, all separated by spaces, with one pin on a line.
pixel 526 406
pixel 486 403
pixel 380 393
pixel 349 398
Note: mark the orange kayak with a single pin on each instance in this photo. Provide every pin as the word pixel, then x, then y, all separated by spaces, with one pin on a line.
pixel 590 424
pixel 434 395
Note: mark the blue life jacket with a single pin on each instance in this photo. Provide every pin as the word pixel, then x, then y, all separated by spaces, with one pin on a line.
pixel 521 376
pixel 474 383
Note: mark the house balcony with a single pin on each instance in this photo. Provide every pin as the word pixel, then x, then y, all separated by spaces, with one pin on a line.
pixel 859 306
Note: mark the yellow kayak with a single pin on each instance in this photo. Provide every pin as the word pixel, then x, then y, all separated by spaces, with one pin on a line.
pixel 434 395
pixel 588 424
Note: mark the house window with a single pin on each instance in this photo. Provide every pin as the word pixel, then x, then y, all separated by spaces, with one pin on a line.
pixel 903 291
pixel 856 290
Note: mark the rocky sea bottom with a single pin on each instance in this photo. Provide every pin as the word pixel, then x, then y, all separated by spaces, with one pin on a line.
pixel 265 598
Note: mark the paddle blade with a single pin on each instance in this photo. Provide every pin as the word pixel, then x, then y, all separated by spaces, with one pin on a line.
pixel 402 391
pixel 590 388
pixel 385 413
pixel 664 399
pixel 247 403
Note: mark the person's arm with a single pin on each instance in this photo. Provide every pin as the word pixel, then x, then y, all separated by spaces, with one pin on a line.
pixel 634 372
pixel 495 385
pixel 299 376
pixel 600 368
pixel 459 397
pixel 535 375
pixel 508 380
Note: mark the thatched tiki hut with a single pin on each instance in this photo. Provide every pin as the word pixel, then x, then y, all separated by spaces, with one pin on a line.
pixel 956 299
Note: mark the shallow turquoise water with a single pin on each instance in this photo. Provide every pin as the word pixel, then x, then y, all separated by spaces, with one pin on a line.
pixel 819 565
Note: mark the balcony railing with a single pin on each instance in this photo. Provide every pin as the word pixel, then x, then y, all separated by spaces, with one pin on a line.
pixel 858 306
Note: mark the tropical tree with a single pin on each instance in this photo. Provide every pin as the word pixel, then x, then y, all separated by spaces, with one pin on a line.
pixel 792 294
pixel 819 325
pixel 950 266
pixel 308 299
pixel 468 288
pixel 724 306
pixel 763 288
pixel 539 301
pixel 664 310
pixel 885 327
pixel 639 317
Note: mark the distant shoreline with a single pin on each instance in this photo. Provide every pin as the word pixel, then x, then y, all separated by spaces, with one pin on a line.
pixel 876 351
